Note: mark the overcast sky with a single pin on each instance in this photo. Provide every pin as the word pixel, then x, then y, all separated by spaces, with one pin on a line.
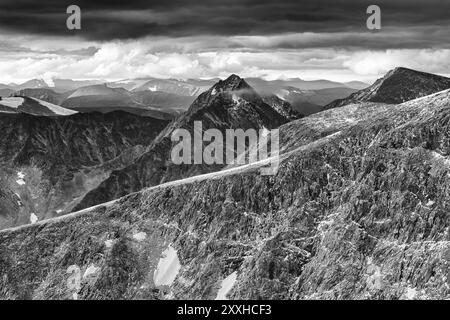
pixel 319 39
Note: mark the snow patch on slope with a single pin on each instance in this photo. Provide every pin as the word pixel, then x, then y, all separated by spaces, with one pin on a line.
pixel 20 177
pixel 140 236
pixel 109 243
pixel 411 293
pixel 54 108
pixel 226 286
pixel 91 270
pixel 167 268
pixel 440 157
pixel 13 102
pixel 33 218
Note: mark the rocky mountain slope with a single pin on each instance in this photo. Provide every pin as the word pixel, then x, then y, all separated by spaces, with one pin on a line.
pixel 359 209
pixel 230 103
pixel 281 106
pixel 48 163
pixel 397 86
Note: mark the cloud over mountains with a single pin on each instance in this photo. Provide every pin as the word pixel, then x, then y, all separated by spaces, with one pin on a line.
pixel 209 38
pixel 107 20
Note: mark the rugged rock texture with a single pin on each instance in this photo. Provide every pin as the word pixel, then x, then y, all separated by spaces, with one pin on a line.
pixel 359 210
pixel 397 86
pixel 231 103
pixel 282 107
pixel 49 162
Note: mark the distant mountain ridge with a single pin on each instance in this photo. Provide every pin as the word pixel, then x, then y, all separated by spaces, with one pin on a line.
pixel 261 84
pixel 397 86
pixel 168 97
pixel 191 87
pixel 184 88
pixel 57 85
pixel 45 94
pixel 309 102
pixel 101 98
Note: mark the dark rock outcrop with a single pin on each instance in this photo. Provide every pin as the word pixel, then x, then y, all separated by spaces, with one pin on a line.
pixel 282 107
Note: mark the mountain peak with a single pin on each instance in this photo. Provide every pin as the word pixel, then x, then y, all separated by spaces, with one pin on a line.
pixel 397 86
pixel 232 83
pixel 406 72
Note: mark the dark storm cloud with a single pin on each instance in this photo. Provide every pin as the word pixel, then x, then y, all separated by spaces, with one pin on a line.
pixel 118 19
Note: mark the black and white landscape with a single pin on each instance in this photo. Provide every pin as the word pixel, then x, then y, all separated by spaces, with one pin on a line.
pixel 92 205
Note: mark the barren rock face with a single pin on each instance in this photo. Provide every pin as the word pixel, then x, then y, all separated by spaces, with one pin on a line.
pixel 358 209
pixel 49 162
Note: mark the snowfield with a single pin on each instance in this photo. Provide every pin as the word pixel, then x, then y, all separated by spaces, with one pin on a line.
pixel 168 268
pixel 13 102
pixel 21 104
pixel 226 286
pixel 55 108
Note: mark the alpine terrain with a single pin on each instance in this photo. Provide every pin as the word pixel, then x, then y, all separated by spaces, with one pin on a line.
pixel 359 208
pixel 230 103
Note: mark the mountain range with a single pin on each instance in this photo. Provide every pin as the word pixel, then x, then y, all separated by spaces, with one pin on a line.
pixel 170 97
pixel 357 210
